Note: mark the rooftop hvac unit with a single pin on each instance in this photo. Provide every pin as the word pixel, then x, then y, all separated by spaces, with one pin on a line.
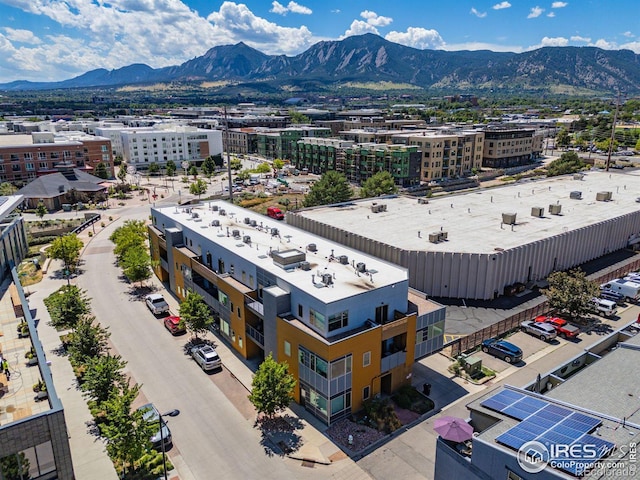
pixel 509 218
pixel 555 209
pixel 223 212
pixel 253 223
pixel 312 247
pixel 434 237
pixel 274 232
pixel 214 208
pixel 578 176
pixel 235 233
pixel 327 278
pixel 361 267
pixel 603 196
pixel 215 223
pixel 575 195
pixel 443 236
pixel 423 201
pixel 246 239
pixel 377 208
pixel 344 260
pixel 195 215
pixel 247 220
pixel 305 266
pixel 537 211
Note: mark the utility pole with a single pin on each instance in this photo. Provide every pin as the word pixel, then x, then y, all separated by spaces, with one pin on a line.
pixel 613 132
pixel 226 135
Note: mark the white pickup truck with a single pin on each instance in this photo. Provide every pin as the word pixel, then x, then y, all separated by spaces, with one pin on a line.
pixel 606 308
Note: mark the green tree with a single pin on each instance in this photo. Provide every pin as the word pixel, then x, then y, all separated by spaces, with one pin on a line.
pixel 264 167
pixel 171 168
pixel 571 293
pixel 563 138
pixel 15 466
pixel 122 173
pixel 278 164
pixel 102 375
pixel 7 188
pixel 298 118
pixel 332 187
pixel 101 171
pixel 196 313
pixel 272 387
pixel 209 166
pixel 136 264
pixel 41 210
pixel 126 431
pixel 88 340
pixel 66 306
pixel 193 170
pixel 66 248
pixel 243 175
pixel 381 183
pixel 637 149
pixel 131 234
pixel 236 164
pixel 154 168
pixel 199 187
pixel 569 162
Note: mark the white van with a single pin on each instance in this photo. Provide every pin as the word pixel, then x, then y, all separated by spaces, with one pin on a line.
pixel 606 308
pixel 631 290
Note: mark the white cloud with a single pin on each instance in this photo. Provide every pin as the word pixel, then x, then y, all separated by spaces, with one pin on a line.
pixel 477 13
pixel 359 27
pixel 417 37
pixel 337 10
pixel 554 42
pixel 535 12
pixel 373 19
pixel 578 38
pixel 551 14
pixel 604 44
pixel 628 34
pixel 501 5
pixel 278 8
pixel 559 4
pixel 22 36
pixel 633 46
pixel 293 7
pixel 453 47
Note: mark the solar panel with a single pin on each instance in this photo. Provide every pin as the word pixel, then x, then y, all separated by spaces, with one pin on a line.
pixel 587 423
pixel 581 456
pixel 524 408
pixel 502 400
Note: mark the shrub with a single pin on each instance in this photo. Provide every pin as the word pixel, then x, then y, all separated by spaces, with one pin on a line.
pixel 90 234
pixel 403 401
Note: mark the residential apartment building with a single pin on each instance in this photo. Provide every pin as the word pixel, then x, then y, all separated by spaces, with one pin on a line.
pixel 510 147
pixel 25 157
pixel 13 235
pixel 141 147
pixel 446 153
pixel 346 323
pixel 243 141
pixel 281 143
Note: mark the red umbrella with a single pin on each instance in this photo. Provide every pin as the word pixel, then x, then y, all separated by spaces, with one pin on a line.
pixel 453 429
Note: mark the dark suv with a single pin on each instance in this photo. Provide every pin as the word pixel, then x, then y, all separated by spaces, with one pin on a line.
pixel 501 349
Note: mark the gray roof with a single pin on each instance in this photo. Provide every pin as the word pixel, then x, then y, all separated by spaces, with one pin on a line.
pixel 56 184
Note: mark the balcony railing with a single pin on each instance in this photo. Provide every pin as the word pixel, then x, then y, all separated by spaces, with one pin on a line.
pixel 254 305
pixel 393 360
pixel 255 335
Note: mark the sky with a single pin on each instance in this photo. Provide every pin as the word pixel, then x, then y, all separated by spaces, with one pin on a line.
pixel 50 40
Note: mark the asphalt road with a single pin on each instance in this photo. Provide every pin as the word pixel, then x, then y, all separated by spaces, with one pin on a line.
pixel 213 437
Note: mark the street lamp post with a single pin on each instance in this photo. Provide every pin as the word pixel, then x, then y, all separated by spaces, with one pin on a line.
pixel 172 413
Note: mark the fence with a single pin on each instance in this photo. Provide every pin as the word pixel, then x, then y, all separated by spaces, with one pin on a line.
pixel 472 341
pixel 87 223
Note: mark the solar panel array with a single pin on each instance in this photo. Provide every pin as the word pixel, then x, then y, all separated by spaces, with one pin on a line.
pixel 551 425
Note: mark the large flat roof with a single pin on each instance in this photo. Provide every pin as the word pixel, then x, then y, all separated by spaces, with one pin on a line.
pixel 346 281
pixel 472 220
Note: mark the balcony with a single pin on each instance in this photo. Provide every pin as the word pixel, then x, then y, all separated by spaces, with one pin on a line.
pixel 392 360
pixel 255 335
pixel 254 305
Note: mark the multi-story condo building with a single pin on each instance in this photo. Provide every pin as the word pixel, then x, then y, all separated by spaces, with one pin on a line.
pixel 359 162
pixel 510 147
pixel 281 143
pixel 13 235
pixel 25 157
pixel 169 143
pixel 345 322
pixel 446 153
pixel 243 141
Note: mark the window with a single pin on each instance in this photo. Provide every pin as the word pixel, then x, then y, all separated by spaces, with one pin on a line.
pixel 382 313
pixel 316 319
pixel 366 359
pixel 15 167
pixel 222 298
pixel 29 166
pixel 365 392
pixel 338 320
pixel 239 315
pixel 300 311
pixel 287 348
pixel 436 329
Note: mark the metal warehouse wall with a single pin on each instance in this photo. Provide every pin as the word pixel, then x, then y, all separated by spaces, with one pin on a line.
pixel 480 276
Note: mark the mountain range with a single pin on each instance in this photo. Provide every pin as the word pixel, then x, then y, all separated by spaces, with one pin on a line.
pixel 370 58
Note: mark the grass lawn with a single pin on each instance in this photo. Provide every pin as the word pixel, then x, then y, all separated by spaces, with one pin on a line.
pixel 29 274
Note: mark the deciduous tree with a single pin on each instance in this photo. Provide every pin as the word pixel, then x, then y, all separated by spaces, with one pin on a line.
pixel 136 263
pixel 41 210
pixel 88 340
pixel 196 313
pixel 332 187
pixel 381 183
pixel 171 168
pixel 102 375
pixel 66 306
pixel 101 171
pixel 66 248
pixel 199 187
pixel 571 293
pixel 272 387
pixel 569 162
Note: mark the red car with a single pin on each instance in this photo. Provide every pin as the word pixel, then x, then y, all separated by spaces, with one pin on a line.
pixel 564 328
pixel 174 325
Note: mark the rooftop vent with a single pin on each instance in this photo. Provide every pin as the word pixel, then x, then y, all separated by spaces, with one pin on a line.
pixel 274 232
pixel 537 211
pixel 575 195
pixel 247 220
pixel 509 218
pixel 195 215
pixel 305 265
pixel 377 208
pixel 344 260
pixel 246 239
pixel 437 237
pixel 361 267
pixel 555 209
pixel 578 176
pixel 327 279
pixel 235 233
pixel 253 223
pixel 603 196
pixel 423 201
pixel 214 208
pixel 312 247
pixel 223 212
pixel 215 223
